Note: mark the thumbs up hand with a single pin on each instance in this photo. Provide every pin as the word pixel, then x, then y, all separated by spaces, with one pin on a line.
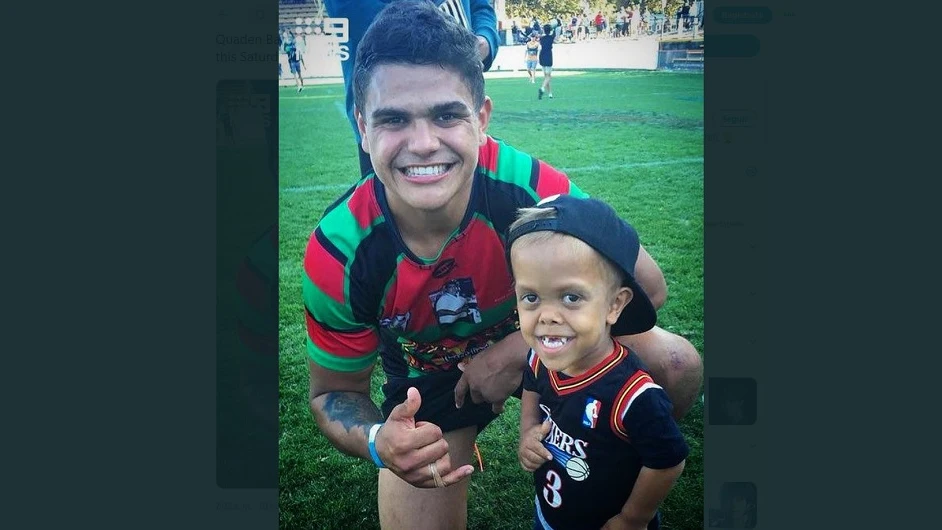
pixel 416 451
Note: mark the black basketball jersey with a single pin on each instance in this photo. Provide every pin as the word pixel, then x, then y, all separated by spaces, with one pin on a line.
pixel 607 424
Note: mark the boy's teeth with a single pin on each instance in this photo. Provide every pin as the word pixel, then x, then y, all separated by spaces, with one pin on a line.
pixel 419 171
pixel 554 342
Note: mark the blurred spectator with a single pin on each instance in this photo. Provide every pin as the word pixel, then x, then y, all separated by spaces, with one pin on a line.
pixel 546 60
pixel 294 59
pixel 682 17
pixel 281 42
pixel 535 25
pixel 533 48
pixel 696 14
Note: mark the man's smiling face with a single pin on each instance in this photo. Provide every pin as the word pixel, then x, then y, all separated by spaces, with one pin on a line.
pixel 423 135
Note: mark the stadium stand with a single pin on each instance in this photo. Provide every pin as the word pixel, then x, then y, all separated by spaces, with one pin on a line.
pixel 693 60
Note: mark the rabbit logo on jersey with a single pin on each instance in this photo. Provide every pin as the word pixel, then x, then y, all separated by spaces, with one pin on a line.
pixel 567 451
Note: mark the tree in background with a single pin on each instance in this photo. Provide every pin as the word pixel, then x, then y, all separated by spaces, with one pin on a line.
pixel 542 9
pixel 673 6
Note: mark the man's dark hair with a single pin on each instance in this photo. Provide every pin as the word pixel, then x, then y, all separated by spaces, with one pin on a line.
pixel 414 32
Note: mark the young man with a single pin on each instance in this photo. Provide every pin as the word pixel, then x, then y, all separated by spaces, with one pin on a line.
pixel 546 61
pixel 294 59
pixel 382 255
pixel 476 15
pixel 595 429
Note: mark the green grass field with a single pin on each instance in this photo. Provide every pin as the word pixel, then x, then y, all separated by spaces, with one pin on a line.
pixel 634 139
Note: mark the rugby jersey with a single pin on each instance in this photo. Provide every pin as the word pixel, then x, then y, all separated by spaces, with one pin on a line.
pixel 606 424
pixel 366 293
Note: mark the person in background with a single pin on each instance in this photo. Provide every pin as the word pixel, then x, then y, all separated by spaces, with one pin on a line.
pixel 533 48
pixel 294 59
pixel 546 61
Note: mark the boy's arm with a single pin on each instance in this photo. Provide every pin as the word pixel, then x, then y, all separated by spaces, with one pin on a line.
pixel 644 419
pixel 530 449
pixel 529 411
pixel 649 492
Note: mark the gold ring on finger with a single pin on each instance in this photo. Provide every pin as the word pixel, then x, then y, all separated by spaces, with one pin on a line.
pixel 433 470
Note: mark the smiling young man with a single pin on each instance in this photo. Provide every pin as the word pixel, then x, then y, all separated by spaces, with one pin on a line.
pixel 409 266
pixel 477 16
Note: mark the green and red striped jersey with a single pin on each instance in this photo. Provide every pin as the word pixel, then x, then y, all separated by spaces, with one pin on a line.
pixel 365 292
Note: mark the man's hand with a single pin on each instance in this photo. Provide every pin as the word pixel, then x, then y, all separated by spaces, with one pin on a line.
pixel 484 49
pixel 531 452
pixel 407 447
pixel 494 374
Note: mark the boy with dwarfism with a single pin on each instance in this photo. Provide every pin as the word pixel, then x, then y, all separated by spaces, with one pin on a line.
pixel 595 429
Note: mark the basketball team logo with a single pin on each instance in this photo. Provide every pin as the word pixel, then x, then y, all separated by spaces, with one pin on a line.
pixel 568 452
pixel 577 468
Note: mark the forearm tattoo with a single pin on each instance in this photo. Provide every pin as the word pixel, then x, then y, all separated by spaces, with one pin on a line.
pixel 350 409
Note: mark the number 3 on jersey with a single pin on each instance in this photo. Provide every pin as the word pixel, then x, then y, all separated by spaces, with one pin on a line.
pixel 551 489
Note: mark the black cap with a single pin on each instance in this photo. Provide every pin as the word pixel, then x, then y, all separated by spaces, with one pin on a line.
pixel 596 224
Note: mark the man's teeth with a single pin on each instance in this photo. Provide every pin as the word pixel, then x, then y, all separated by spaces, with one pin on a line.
pixel 421 171
pixel 554 342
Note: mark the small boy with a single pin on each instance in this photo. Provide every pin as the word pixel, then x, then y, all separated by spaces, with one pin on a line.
pixel 595 428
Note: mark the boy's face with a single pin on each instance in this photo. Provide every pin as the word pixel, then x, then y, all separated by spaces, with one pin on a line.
pixel 422 133
pixel 567 301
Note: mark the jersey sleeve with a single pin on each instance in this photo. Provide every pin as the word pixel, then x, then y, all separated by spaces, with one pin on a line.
pixel 551 181
pixel 335 339
pixel 642 415
pixel 527 178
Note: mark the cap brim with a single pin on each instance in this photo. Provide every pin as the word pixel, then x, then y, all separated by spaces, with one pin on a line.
pixel 638 316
